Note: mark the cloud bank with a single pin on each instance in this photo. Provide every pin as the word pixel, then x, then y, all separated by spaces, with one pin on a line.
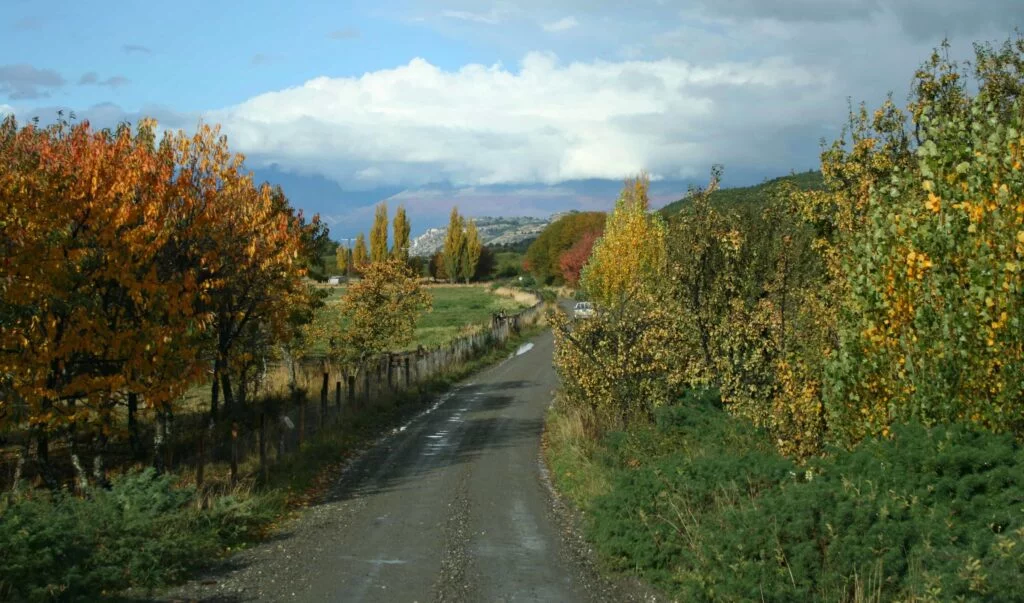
pixel 545 123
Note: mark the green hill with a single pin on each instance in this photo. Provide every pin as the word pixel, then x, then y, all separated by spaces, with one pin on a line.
pixel 751 195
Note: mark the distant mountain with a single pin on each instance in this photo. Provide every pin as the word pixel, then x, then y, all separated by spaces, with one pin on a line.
pixel 493 231
pixel 745 195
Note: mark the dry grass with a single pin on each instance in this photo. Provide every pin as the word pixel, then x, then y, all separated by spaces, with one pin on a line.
pixel 569 451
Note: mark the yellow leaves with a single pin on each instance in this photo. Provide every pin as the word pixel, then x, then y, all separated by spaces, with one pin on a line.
pixel 934 204
pixel 631 251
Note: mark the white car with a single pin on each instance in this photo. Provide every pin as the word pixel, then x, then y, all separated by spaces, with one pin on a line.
pixel 583 310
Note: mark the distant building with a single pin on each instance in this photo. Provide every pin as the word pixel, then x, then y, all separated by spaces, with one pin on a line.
pixel 334 280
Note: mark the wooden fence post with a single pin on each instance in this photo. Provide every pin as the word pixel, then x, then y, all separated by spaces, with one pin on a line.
pixel 201 461
pixel 280 436
pixel 366 387
pixel 302 422
pixel 391 364
pixel 323 400
pixel 234 452
pixel 263 445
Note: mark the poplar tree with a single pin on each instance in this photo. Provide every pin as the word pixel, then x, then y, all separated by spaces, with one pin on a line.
pixel 400 250
pixel 341 259
pixel 379 234
pixel 471 251
pixel 359 255
pixel 453 246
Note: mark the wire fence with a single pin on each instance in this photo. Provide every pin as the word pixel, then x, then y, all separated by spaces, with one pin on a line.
pixel 276 424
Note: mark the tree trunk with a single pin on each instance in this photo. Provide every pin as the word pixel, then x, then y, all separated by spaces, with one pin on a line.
pixel 215 388
pixel 22 455
pixel 158 442
pixel 263 446
pixel 169 436
pixel 99 468
pixel 81 478
pixel 234 453
pixel 133 425
pixel 225 386
pixel 43 453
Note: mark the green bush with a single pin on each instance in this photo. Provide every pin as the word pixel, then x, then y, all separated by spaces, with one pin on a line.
pixel 672 476
pixel 142 532
pixel 928 514
pixel 701 506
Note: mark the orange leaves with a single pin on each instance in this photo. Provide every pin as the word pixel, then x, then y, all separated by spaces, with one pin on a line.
pixel 114 251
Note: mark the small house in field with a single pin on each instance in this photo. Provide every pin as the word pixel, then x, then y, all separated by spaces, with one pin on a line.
pixel 334 280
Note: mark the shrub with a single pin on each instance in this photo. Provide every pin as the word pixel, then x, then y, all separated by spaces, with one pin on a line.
pixel 142 532
pixel 703 507
pixel 926 514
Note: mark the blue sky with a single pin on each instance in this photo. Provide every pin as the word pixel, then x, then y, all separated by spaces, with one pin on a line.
pixel 506 108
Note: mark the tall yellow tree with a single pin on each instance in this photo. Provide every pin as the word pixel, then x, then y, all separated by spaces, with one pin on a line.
pixel 631 253
pixel 471 249
pixel 359 255
pixel 454 241
pixel 341 260
pixel 400 248
pixel 379 234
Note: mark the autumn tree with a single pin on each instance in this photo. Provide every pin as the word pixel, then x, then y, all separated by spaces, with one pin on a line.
pixel 90 307
pixel 631 252
pixel 572 260
pixel 543 256
pixel 379 234
pixel 931 328
pixel 341 259
pixel 617 366
pixel 471 248
pixel 400 249
pixel 379 313
pixel 454 245
pixel 360 258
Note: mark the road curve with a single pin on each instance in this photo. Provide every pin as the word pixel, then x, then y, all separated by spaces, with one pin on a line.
pixel 451 508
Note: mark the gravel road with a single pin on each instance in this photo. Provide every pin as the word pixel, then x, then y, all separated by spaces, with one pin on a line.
pixel 455 506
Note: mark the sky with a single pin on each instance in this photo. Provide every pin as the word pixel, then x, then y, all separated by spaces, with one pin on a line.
pixel 502 108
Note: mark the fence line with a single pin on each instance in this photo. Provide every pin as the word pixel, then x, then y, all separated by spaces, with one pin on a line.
pixel 281 420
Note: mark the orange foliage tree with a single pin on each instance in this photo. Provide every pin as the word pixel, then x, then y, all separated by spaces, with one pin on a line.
pixel 128 266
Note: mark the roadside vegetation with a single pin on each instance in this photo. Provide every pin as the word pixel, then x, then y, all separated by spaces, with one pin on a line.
pixel 146 531
pixel 815 393
pixel 136 270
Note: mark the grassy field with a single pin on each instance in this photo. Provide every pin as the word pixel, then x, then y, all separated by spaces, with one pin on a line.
pixel 456 309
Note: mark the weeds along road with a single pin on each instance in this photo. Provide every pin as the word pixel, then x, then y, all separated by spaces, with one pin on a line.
pixel 454 507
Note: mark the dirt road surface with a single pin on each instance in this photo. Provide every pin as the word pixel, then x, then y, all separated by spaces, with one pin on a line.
pixel 455 506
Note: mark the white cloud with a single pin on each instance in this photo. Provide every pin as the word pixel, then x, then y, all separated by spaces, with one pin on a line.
pixel 545 123
pixel 562 24
pixel 492 17
pixel 6 109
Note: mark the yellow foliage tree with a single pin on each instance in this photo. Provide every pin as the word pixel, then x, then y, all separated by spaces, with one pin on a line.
pixel 631 252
